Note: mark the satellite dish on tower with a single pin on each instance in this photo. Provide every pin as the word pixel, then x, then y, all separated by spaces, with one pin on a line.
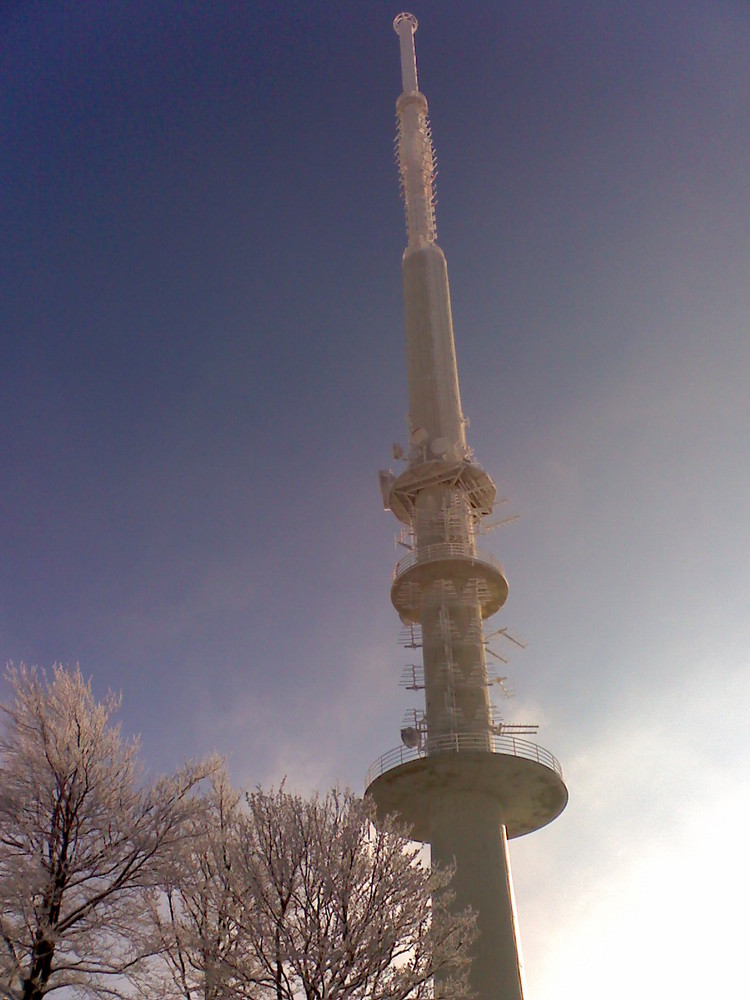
pixel 419 436
pixel 410 737
pixel 439 446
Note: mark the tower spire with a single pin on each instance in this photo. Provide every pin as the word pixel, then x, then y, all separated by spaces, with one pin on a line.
pixel 416 156
pixel 463 782
pixel 405 25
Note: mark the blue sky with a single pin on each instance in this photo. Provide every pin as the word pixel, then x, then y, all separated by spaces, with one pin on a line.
pixel 202 363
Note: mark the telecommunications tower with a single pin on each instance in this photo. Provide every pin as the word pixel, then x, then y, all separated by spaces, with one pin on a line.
pixel 463 781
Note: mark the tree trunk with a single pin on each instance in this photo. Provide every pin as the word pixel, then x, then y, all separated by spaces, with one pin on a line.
pixel 41 967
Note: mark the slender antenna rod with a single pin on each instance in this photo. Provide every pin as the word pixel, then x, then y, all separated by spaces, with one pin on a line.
pixel 416 156
pixel 405 26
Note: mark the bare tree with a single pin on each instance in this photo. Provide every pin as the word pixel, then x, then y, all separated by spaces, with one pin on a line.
pixel 196 937
pixel 330 906
pixel 83 840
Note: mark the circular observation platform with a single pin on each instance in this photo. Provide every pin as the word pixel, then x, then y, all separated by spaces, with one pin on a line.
pixel 474 482
pixel 449 561
pixel 525 778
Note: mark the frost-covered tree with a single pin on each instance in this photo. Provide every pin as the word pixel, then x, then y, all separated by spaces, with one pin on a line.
pixel 306 898
pixel 340 909
pixel 84 841
pixel 196 938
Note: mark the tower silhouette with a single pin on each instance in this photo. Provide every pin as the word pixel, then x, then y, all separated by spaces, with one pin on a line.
pixel 461 781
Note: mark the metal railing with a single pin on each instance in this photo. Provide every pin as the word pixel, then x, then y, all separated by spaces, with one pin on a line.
pixel 443 550
pixel 463 743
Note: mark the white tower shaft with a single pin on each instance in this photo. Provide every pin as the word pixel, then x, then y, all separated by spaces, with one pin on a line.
pixel 463 789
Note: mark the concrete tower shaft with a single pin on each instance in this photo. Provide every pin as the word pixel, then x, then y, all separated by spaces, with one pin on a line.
pixel 434 397
pixel 463 783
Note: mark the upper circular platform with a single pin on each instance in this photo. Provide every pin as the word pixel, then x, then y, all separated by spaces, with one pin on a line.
pixel 479 488
pixel 525 778
pixel 449 561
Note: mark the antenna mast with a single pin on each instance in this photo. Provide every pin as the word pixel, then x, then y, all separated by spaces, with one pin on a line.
pixel 415 153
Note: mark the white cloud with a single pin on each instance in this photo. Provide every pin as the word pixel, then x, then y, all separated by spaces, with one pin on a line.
pixel 638 889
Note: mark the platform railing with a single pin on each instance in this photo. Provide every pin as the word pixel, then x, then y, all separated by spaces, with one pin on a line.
pixel 443 550
pixel 463 743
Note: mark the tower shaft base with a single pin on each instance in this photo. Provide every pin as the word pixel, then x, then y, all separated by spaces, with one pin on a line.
pixel 468 831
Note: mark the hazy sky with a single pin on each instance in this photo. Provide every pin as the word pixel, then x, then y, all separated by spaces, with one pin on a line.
pixel 203 368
